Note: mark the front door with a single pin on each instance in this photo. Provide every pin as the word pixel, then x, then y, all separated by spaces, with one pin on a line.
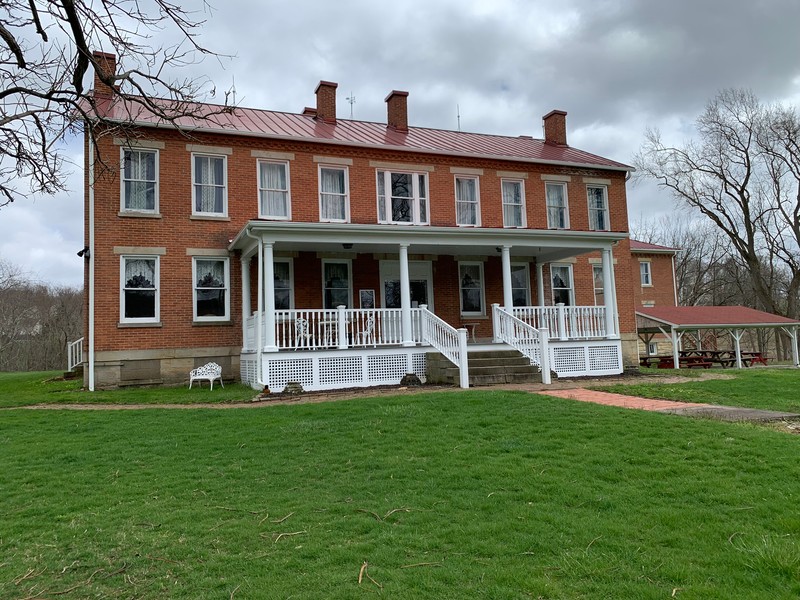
pixel 420 280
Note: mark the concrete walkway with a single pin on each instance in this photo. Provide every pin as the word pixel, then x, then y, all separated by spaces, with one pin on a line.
pixel 689 409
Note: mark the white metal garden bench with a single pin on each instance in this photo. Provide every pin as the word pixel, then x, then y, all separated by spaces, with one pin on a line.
pixel 209 372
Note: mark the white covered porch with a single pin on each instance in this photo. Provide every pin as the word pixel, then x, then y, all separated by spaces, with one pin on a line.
pixel 343 346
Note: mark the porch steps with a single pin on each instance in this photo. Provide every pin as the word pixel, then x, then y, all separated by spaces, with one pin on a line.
pixel 485 368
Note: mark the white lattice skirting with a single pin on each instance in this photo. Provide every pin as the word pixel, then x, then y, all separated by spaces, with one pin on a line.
pixel 585 359
pixel 335 369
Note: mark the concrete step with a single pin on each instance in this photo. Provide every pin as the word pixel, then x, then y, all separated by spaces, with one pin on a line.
pixel 485 368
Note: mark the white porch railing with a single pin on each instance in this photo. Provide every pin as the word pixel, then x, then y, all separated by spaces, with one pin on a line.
pixel 74 354
pixel 341 328
pixel 565 322
pixel 448 340
pixel 524 338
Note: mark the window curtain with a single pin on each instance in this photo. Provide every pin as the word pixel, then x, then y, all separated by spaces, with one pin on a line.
pixel 140 273
pixel 139 292
pixel 333 194
pixel 274 192
pixel 467 204
pixel 209 173
pixel 512 204
pixel 140 177
pixel 210 274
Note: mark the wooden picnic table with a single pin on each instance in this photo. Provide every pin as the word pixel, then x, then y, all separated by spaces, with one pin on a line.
pixel 705 359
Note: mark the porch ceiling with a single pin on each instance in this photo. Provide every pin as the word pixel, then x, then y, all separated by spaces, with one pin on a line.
pixel 544 245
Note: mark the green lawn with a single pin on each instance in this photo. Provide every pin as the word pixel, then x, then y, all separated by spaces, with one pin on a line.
pixel 769 389
pixel 478 494
pixel 25 389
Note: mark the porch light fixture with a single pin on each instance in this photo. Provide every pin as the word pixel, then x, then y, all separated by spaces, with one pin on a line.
pixel 84 252
pixel 347 246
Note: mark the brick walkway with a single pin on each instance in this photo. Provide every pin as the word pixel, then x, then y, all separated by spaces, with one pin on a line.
pixel 583 395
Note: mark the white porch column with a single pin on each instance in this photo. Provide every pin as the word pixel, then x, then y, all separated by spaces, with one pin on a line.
pixel 609 297
pixel 539 284
pixel 405 298
pixel 269 299
pixel 246 308
pixel 508 296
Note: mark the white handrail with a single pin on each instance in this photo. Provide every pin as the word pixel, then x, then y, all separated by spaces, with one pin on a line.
pixel 530 342
pixel 448 340
pixel 565 322
pixel 74 354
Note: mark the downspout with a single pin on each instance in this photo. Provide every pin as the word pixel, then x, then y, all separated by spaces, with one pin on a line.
pixel 260 314
pixel 674 281
pixel 91 262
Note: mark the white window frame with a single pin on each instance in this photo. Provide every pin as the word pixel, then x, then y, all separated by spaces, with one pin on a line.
pixel 600 289
pixel 349 263
pixel 646 273
pixel 472 313
pixel 527 288
pixel 524 219
pixel 288 190
pixel 415 196
pixel 594 211
pixel 346 195
pixel 224 185
pixel 652 348
pixel 571 287
pixel 156 318
pixel 290 262
pixel 122 180
pixel 565 208
pixel 476 202
pixel 227 283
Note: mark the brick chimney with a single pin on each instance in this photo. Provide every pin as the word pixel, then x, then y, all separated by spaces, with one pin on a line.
pixel 326 101
pixel 397 110
pixel 105 64
pixel 555 128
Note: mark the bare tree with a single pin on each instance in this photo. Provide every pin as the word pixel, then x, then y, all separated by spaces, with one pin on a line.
pixel 743 174
pixel 45 56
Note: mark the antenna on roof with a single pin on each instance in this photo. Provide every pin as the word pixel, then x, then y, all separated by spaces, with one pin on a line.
pixel 352 100
pixel 458 116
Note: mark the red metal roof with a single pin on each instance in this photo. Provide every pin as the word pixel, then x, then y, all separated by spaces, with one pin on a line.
pixel 709 316
pixel 637 246
pixel 272 124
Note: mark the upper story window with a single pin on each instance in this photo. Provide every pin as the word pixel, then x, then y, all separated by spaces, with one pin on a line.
pixel 212 282
pixel 402 198
pixel 273 190
pixel 140 180
pixel 468 211
pixel 210 184
pixel 598 207
pixel 513 203
pixel 562 284
pixel 139 297
pixel 646 273
pixel 557 209
pixel 334 202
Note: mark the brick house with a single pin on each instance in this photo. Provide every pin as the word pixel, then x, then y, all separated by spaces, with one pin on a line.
pixel 656 286
pixel 340 253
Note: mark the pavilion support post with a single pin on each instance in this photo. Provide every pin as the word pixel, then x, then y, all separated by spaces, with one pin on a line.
pixel 737 344
pixel 676 355
pixel 795 357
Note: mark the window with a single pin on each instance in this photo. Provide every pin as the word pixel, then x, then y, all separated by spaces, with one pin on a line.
pixel 557 212
pixel 211 289
pixel 210 184
pixel 471 284
pixel 140 180
pixel 139 302
pixel 562 284
pixel 336 284
pixel 467 201
pixel 513 203
pixel 520 287
pixel 273 190
pixel 284 288
pixel 646 275
pixel 407 199
pixel 598 207
pixel 599 293
pixel 333 197
pixel 652 349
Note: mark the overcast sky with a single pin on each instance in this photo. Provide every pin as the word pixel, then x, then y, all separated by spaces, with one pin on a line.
pixel 616 67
